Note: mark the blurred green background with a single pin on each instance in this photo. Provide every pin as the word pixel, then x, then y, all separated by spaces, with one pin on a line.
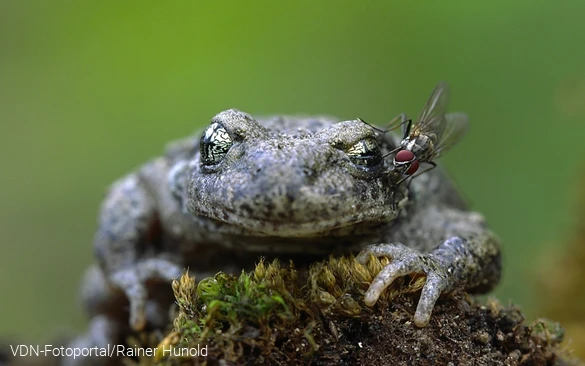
pixel 89 90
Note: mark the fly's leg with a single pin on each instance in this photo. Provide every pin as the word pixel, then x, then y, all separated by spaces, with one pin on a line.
pixel 432 164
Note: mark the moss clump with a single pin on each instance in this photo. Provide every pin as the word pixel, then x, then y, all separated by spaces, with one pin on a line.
pixel 279 315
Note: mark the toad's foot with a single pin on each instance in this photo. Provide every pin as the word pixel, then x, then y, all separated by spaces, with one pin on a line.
pixel 133 282
pixel 405 260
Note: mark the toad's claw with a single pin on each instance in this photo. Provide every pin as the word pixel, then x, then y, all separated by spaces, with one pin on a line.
pixel 133 282
pixel 406 261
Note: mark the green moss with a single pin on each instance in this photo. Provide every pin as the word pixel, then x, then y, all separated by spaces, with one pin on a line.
pixel 279 315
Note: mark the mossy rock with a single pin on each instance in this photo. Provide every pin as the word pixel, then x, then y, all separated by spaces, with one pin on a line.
pixel 279 315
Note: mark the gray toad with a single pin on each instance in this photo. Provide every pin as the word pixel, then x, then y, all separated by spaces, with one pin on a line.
pixel 288 187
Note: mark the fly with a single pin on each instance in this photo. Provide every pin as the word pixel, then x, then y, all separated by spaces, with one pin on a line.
pixel 433 133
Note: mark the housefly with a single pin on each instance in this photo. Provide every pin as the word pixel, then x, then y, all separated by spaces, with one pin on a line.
pixel 433 133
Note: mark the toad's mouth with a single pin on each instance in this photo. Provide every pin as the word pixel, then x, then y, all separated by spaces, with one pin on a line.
pixel 354 223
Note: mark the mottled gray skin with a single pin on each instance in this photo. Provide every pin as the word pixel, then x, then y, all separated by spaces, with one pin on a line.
pixel 286 188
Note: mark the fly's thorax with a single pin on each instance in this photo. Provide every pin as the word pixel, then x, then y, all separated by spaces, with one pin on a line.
pixel 421 146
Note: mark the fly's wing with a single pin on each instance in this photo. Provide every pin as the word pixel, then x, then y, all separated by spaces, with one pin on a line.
pixel 399 120
pixel 456 126
pixel 432 117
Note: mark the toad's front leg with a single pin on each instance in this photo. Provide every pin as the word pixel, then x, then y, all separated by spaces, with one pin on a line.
pixel 467 257
pixel 124 246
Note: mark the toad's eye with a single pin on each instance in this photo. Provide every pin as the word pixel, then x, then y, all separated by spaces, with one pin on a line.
pixel 214 145
pixel 365 153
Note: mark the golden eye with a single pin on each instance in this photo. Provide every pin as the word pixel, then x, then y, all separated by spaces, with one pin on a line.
pixel 365 153
pixel 214 144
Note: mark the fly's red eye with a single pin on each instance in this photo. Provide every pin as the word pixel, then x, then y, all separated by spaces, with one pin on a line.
pixel 404 156
pixel 412 168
